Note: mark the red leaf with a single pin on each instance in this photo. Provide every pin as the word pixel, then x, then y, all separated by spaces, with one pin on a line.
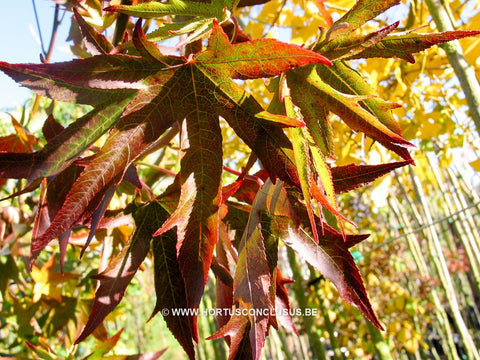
pixel 238 328
pixel 114 280
pixel 282 303
pixel 170 288
pixel 53 195
pixel 197 214
pixel 352 176
pixel 334 261
pixel 95 42
pixel 51 128
pixel 223 290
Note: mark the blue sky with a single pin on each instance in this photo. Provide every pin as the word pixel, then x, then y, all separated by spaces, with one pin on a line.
pixel 19 42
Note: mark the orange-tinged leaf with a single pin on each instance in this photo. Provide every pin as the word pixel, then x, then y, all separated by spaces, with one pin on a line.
pixel 254 59
pixel 282 303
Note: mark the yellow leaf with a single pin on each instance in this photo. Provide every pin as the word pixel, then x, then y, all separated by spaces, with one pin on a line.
pixel 429 129
pixel 46 280
pixel 476 164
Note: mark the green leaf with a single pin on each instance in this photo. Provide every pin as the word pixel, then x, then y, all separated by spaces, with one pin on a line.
pixel 303 162
pixel 156 9
pixel 104 347
pixel 59 153
pixel 348 81
pixel 308 85
pixel 363 11
pixel 405 44
pixel 347 47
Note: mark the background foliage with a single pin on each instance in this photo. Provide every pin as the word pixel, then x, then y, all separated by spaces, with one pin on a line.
pixel 420 266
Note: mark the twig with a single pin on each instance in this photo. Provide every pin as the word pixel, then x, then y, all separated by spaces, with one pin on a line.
pixel 38 28
pixel 45 56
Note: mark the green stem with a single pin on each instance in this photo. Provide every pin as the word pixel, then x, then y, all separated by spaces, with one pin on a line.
pixel 298 289
pixel 445 331
pixel 444 275
pixel 337 354
pixel 464 71
pixel 381 346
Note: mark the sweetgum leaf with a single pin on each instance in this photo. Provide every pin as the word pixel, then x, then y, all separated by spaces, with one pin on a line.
pixel 238 329
pixel 304 165
pixel 251 285
pixel 169 284
pixel 90 81
pixel 282 303
pixel 51 128
pixel 352 176
pixel 53 195
pixel 253 59
pixel 159 90
pixel 223 289
pixel 116 277
pixel 95 42
pixel 197 215
pixel 253 279
pixel 363 11
pixel 61 151
pixel 102 349
pixel 348 81
pixel 157 9
pixel 307 85
pixel 330 255
pixel 334 261
pixel 347 47
pixel 404 45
